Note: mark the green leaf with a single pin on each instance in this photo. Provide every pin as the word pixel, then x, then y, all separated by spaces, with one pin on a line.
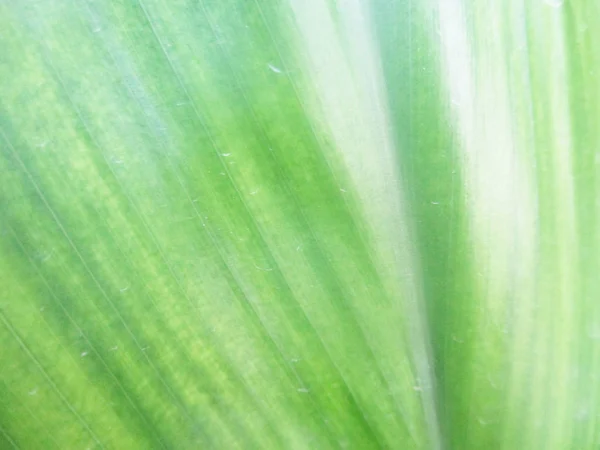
pixel 290 224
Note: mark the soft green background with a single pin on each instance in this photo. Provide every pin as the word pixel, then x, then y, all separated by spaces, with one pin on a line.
pixel 291 224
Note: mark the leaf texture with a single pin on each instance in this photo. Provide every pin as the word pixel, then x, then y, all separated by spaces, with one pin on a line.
pixel 286 224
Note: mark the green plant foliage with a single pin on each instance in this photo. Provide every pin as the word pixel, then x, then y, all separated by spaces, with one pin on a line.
pixel 292 224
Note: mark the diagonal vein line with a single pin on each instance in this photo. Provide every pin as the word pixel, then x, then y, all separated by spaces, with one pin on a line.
pixel 32 415
pixel 285 183
pixel 148 229
pixel 92 276
pixel 204 334
pixel 403 414
pixel 82 333
pixel 10 440
pixel 241 198
pixel 47 377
